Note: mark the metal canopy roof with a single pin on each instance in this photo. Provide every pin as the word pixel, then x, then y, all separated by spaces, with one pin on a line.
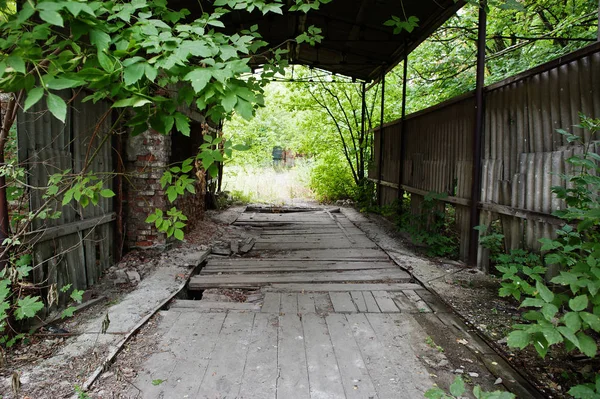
pixel 356 43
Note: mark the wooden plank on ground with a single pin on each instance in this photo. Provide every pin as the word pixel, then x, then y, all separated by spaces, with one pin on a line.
pixel 268 233
pixel 291 359
pixel 271 303
pixel 323 372
pixel 306 303
pixel 404 304
pixel 324 287
pixel 355 376
pixel 385 376
pixel 328 254
pixel 399 334
pixel 329 244
pixel 260 373
pixel 322 303
pixel 192 355
pixel 223 377
pixel 359 300
pixel 203 305
pixel 289 303
pixel 370 302
pixel 342 302
pixel 298 266
pixel 257 280
pixel 416 299
pixel 385 302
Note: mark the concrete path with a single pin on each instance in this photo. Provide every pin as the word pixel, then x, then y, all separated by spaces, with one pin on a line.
pixel 338 319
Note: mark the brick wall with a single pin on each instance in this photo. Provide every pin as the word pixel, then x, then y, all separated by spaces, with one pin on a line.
pixel 148 155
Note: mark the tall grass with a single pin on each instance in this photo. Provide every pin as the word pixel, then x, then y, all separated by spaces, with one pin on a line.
pixel 269 185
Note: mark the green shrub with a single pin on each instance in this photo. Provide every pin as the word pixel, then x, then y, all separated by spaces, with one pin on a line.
pixel 331 179
pixel 568 312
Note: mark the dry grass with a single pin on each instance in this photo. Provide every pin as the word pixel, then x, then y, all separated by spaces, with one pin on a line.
pixel 268 185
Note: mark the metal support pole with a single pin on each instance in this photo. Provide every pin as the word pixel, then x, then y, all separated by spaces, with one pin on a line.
pixel 478 134
pixel 403 127
pixel 361 142
pixel 380 177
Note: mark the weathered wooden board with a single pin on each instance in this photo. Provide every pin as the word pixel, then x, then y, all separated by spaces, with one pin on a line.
pixel 324 287
pixel 306 303
pixel 271 303
pixel 260 372
pixel 327 254
pixel 243 267
pixel 385 302
pixel 323 372
pixel 331 244
pixel 342 302
pixel 241 280
pixel 355 376
pixel 291 359
pixel 223 376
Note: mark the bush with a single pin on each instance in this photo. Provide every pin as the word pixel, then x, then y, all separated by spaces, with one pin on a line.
pixel 331 179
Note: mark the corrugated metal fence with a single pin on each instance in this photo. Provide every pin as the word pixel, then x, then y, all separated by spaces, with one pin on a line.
pixel 522 154
pixel 78 246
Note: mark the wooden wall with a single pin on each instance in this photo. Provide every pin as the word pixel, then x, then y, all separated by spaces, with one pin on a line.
pixel 77 247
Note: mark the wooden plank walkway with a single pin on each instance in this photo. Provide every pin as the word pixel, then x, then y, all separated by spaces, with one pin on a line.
pixel 333 322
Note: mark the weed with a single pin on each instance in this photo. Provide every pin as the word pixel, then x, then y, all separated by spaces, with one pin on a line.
pixel 431 343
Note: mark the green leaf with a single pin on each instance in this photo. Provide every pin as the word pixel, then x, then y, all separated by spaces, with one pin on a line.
pixel 544 292
pixel 518 339
pixel 107 193
pixel 229 102
pixel 592 320
pixel 182 123
pixel 63 83
pixel 157 382
pixel 57 107
pixel 27 307
pixel 16 63
pixel 579 303
pixel 549 310
pixel 33 97
pixel 582 392
pixel 572 321
pixel 244 108
pixel 199 78
pixel 52 17
pixel 77 295
pixel 179 234
pixel 587 345
pixel 569 335
pixel 68 312
pixel 458 387
pixel 133 73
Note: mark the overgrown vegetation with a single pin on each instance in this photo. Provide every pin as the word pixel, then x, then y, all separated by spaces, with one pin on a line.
pixel 433 227
pixel 566 311
pixel 458 390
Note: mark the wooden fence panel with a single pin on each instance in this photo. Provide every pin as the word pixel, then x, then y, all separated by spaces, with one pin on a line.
pixel 522 155
pixel 77 247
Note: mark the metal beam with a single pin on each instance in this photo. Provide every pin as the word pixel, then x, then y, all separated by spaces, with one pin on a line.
pixel 403 129
pixel 381 137
pixel 478 133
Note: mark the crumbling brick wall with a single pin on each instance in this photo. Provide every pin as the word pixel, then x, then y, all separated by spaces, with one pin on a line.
pixel 148 155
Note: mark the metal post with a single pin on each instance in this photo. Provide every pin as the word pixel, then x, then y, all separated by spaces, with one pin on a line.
pixel 361 142
pixel 478 134
pixel 403 127
pixel 380 177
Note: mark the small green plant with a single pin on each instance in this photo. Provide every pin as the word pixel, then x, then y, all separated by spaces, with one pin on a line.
pixel 432 227
pixel 431 343
pixel 157 382
pixel 458 389
pixel 81 394
pixel 520 271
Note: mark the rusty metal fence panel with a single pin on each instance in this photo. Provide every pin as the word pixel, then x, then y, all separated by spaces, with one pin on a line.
pixel 522 156
pixel 77 247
